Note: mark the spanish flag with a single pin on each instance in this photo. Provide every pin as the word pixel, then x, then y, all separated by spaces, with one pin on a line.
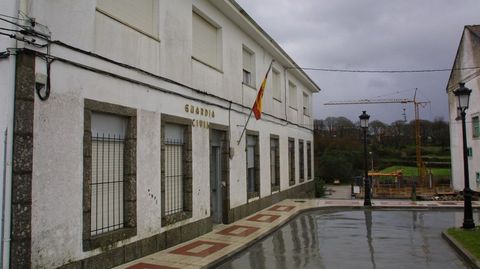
pixel 257 106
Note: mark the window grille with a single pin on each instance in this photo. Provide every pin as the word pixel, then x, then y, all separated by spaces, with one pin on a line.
pixel 274 164
pixel 253 176
pixel 174 175
pixel 107 183
pixel 301 160
pixel 291 161
pixel 309 160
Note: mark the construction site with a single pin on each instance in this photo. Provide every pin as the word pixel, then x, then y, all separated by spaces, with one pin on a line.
pixel 396 184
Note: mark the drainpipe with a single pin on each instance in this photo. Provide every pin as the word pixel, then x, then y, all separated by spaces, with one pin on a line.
pixel 4 186
pixel 285 86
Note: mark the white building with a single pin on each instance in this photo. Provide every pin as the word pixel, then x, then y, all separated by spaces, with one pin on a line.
pixel 124 121
pixel 468 55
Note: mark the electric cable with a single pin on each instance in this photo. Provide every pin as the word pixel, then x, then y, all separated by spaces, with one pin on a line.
pixel 381 71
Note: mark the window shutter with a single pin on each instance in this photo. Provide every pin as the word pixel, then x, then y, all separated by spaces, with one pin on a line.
pixel 247 61
pixel 139 14
pixel 204 40
pixel 276 85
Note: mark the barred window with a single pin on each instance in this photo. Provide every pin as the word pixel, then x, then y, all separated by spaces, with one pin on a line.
pixel 309 160
pixel 274 164
pixel 253 166
pixel 176 184
pixel 108 141
pixel 174 168
pixel 109 163
pixel 301 158
pixel 291 161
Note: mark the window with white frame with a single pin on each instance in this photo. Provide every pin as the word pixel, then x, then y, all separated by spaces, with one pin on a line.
pixel 306 105
pixel 142 15
pixel 205 41
pixel 292 94
pixel 475 127
pixel 276 85
pixel 248 67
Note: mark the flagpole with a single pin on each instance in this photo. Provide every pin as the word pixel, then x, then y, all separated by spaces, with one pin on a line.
pixel 251 109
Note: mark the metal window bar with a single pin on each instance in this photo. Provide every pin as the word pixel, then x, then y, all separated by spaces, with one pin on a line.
pixel 291 161
pixel 309 160
pixel 107 183
pixel 274 163
pixel 174 176
pixel 302 162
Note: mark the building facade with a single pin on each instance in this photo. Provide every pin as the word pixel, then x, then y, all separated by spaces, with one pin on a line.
pixel 124 122
pixel 468 56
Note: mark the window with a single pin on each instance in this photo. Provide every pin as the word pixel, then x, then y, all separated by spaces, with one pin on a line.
pixel 301 159
pixel 309 160
pixel 109 164
pixel 141 15
pixel 276 85
pixel 291 161
pixel 292 91
pixel 253 167
pixel 475 127
pixel 205 41
pixel 306 105
pixel 248 67
pixel 469 152
pixel 176 182
pixel 274 163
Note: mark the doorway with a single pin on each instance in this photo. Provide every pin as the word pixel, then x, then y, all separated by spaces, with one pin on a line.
pixel 218 175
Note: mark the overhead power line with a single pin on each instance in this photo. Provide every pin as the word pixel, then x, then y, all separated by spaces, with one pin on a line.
pixel 381 71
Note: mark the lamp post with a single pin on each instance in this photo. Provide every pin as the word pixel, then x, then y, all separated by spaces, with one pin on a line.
pixel 463 95
pixel 364 125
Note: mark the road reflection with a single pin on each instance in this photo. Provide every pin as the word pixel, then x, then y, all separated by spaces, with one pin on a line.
pixel 356 239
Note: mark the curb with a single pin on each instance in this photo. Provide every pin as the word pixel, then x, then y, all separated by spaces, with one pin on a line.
pixel 464 253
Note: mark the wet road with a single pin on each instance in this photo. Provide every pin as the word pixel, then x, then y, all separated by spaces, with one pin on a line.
pixel 357 239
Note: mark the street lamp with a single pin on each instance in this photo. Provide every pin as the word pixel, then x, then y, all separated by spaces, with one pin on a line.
pixel 364 125
pixel 463 95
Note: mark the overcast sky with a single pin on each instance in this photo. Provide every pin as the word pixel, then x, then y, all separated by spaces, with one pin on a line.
pixel 370 34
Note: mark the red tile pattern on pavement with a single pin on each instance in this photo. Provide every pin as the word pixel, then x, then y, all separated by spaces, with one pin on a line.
pixel 264 218
pixel 238 230
pixel 199 248
pixel 398 203
pixel 281 208
pixel 342 203
pixel 143 265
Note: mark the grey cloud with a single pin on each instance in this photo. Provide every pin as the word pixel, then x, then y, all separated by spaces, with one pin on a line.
pixel 370 34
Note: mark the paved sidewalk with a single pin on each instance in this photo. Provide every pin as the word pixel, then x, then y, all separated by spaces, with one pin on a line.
pixel 227 240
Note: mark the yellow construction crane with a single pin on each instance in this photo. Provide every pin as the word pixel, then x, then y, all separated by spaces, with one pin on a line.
pixel 417 105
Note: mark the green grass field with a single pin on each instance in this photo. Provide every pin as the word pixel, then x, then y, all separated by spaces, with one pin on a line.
pixel 469 239
pixel 412 171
